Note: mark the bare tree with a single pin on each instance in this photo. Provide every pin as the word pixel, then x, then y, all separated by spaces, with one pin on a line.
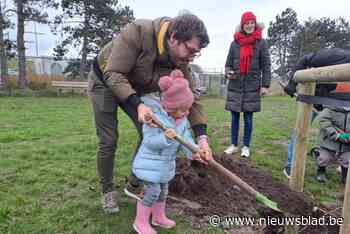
pixel 28 10
pixel 21 50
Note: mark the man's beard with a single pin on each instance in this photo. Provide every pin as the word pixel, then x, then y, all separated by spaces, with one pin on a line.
pixel 178 61
pixel 182 61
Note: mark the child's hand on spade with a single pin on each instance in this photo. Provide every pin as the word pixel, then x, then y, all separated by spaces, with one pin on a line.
pixel 170 133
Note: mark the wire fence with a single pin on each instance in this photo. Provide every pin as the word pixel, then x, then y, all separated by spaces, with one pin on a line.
pixel 212 83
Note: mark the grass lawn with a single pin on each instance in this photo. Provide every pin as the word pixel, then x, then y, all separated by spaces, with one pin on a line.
pixel 48 181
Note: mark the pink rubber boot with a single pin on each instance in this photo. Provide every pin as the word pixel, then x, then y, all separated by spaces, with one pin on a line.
pixel 159 217
pixel 141 223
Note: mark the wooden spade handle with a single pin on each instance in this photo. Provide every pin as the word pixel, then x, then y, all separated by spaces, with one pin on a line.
pixel 214 164
pixel 232 177
pixel 177 137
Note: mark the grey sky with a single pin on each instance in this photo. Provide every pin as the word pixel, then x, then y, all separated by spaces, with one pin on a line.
pixel 220 17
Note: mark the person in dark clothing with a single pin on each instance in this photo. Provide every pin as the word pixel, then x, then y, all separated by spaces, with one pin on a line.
pixel 321 58
pixel 248 69
pixel 334 141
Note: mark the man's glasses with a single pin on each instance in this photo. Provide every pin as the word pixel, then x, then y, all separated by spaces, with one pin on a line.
pixel 192 51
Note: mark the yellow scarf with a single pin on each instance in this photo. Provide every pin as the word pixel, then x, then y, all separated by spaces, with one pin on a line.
pixel 160 39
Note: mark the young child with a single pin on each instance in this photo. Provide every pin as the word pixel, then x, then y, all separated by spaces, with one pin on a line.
pixel 334 141
pixel 154 162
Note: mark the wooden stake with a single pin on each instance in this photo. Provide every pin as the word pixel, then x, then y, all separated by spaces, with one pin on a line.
pixel 345 228
pixel 302 128
pixel 334 73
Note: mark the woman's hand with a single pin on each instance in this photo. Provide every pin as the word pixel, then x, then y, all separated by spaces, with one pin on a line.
pixel 263 91
pixel 230 75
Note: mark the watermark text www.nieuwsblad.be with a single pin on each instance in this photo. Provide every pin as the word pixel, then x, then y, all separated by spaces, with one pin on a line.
pixel 227 221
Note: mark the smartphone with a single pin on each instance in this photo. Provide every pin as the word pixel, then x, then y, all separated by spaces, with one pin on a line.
pixel 229 74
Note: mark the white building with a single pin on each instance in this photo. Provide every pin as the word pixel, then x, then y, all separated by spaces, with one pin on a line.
pixel 45 65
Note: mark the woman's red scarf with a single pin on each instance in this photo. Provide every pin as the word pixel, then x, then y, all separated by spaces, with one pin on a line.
pixel 247 42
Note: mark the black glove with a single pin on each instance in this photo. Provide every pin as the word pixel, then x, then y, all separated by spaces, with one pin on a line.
pixel 318 107
pixel 291 88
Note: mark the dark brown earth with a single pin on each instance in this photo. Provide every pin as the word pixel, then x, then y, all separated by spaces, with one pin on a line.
pixel 199 195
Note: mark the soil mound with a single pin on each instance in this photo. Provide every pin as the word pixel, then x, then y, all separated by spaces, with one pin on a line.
pixel 200 193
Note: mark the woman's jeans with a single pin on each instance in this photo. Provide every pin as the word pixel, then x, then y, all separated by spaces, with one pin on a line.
pixel 292 141
pixel 248 127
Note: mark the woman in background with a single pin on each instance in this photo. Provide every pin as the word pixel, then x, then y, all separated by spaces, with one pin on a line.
pixel 248 70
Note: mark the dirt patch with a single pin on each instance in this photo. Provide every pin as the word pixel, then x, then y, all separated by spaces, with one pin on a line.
pixel 212 194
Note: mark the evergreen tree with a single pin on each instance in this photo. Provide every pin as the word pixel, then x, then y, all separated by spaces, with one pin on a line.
pixel 280 35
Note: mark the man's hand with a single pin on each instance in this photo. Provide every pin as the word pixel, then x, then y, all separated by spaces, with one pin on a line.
pixel 205 150
pixel 197 156
pixel 263 91
pixel 145 114
pixel 170 133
